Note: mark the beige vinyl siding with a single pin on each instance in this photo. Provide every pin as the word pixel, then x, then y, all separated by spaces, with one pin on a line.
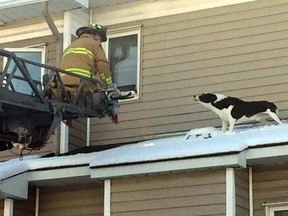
pixel 26 207
pixel 238 50
pixel 78 134
pixel 1 207
pixel 48 41
pixel 193 193
pixel 32 29
pixel 50 44
pixel 22 207
pixel 269 186
pixel 242 192
pixel 86 200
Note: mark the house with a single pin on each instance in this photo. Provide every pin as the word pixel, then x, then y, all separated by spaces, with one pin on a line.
pixel 174 49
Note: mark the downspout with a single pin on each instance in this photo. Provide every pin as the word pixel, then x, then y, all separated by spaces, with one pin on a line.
pixel 59 51
pixel 88 130
pixel 37 202
pixel 88 124
pixel 55 32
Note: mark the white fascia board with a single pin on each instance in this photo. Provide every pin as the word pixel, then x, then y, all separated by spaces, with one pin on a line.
pixel 15 187
pixel 58 173
pixel 234 160
pixel 265 152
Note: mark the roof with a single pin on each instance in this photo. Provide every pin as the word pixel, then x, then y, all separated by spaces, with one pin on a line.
pixel 199 149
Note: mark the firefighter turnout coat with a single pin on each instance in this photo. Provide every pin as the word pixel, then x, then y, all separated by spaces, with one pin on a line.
pixel 86 57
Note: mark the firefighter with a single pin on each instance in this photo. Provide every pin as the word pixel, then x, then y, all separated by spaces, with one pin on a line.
pixel 85 56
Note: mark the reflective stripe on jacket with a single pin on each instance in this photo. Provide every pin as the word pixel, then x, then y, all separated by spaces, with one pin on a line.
pixel 78 50
pixel 85 57
pixel 78 71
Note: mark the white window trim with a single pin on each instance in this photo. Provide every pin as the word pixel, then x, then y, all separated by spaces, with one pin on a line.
pixel 8 207
pixel 107 197
pixel 271 208
pixel 114 33
pixel 64 138
pixel 230 192
pixel 41 49
pixel 30 49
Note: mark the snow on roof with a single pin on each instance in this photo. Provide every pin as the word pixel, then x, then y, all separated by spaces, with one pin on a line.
pixel 15 166
pixel 196 143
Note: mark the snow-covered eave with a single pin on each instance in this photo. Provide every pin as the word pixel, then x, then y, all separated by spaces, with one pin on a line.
pixel 232 159
pixel 212 150
pixel 16 186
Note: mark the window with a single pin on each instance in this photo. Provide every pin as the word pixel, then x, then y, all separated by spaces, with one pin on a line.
pixel 281 213
pixel 33 54
pixel 276 209
pixel 123 51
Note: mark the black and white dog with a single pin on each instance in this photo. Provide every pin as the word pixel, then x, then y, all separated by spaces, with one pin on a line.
pixel 232 110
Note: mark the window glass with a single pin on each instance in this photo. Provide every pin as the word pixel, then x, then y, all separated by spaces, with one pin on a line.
pixel 281 213
pixel 35 72
pixel 123 59
pixel 123 51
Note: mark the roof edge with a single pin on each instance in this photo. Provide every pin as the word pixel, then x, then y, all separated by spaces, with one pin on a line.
pixel 231 160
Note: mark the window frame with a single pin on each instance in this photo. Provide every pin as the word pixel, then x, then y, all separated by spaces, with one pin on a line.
pixel 122 32
pixel 41 49
pixel 271 208
pixel 30 49
pixel 275 209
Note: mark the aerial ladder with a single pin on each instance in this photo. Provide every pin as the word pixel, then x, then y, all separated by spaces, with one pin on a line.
pixel 31 109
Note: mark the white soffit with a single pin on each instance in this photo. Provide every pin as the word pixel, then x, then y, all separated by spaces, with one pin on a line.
pixel 19 10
